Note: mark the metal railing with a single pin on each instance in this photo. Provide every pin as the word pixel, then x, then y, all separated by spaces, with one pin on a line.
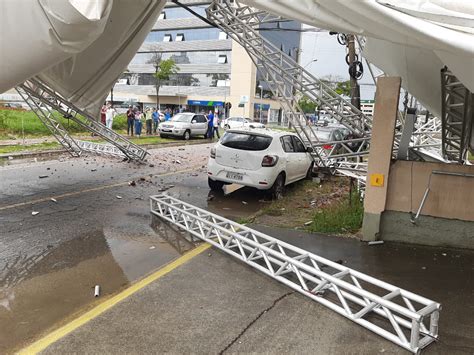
pixel 400 316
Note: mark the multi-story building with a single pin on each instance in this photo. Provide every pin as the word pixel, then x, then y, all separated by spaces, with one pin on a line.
pixel 213 69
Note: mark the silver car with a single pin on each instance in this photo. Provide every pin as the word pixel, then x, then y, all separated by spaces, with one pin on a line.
pixel 184 125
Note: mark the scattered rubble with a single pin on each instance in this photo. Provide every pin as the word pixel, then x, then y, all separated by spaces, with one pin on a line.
pixel 34 213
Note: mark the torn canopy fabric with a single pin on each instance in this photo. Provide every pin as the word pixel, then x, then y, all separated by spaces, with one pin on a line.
pixel 86 78
pixel 413 39
pixel 38 34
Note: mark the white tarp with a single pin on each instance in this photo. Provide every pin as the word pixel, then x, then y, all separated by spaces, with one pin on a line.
pixel 87 77
pixel 413 39
pixel 78 47
pixel 37 34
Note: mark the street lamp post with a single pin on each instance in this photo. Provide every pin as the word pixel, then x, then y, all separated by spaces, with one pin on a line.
pixel 261 98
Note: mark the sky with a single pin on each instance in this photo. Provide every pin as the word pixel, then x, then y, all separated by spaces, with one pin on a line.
pixel 330 57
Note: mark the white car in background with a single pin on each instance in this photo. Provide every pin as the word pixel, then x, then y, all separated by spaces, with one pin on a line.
pixel 240 122
pixel 259 158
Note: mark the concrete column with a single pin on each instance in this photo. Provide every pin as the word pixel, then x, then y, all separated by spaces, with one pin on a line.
pixel 383 130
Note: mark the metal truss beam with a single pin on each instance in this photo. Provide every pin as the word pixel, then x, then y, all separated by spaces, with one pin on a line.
pixel 47 117
pixel 45 97
pixel 286 77
pixel 400 316
pixel 457 116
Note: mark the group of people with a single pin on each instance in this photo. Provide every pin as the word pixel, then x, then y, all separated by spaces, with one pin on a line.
pixel 136 118
pixel 151 118
pixel 107 114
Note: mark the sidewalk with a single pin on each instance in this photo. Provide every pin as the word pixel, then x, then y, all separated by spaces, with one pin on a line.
pixel 212 303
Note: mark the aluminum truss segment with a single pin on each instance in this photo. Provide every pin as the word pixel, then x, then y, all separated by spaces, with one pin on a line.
pixel 456 118
pixel 286 77
pixel 43 94
pixel 47 117
pixel 407 319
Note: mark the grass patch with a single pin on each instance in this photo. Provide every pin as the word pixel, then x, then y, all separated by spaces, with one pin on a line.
pixel 28 148
pixel 19 123
pixel 341 217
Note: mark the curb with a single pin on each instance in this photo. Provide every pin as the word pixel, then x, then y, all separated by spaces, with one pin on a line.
pixel 54 152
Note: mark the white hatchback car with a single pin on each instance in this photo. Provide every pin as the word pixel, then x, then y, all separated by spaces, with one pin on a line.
pixel 240 122
pixel 259 158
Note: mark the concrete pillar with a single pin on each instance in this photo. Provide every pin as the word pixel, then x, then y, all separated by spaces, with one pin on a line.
pixel 383 130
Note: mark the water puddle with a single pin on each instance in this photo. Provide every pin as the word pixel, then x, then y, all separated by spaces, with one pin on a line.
pixel 39 291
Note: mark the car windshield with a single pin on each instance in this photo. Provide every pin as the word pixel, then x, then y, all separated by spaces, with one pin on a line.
pixel 323 135
pixel 181 118
pixel 245 141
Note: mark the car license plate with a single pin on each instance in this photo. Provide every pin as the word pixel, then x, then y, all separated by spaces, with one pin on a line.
pixel 234 176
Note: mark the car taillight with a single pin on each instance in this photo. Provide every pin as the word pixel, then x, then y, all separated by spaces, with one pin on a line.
pixel 269 160
pixel 327 146
pixel 213 153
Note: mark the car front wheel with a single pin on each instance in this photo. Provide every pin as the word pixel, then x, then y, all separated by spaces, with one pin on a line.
pixel 187 135
pixel 215 185
pixel 278 187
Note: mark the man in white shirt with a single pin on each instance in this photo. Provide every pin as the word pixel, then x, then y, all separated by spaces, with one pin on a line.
pixel 216 125
pixel 109 116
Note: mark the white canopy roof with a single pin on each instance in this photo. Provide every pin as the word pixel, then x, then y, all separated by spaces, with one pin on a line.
pixel 413 39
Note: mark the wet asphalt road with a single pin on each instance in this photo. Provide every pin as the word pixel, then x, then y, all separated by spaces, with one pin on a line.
pixel 96 232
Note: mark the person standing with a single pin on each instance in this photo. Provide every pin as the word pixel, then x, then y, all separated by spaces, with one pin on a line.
pixel 138 123
pixel 215 125
pixel 103 110
pixel 167 114
pixel 130 120
pixel 148 121
pixel 109 116
pixel 210 125
pixel 156 119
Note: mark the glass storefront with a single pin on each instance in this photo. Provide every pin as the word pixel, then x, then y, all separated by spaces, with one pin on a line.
pixel 260 113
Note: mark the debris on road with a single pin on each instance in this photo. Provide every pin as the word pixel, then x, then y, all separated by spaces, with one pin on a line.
pixel 152 247
pixel 34 213
pixel 308 223
pixel 132 183
pixel 10 158
pixel 151 165
pixel 93 169
pixel 54 200
pixel 245 203
pixel 43 176
pixel 375 242
pixel 118 197
pixel 96 291
pixel 177 161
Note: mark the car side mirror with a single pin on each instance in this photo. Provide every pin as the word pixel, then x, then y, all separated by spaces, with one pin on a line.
pixel 309 149
pixel 193 121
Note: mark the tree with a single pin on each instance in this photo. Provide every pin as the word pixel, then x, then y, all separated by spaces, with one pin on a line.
pixel 307 105
pixel 164 69
pixel 343 88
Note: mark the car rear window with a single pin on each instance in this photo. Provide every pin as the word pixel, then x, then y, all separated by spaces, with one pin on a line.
pixel 245 141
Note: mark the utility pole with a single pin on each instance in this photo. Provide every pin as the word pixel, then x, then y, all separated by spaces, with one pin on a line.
pixel 355 89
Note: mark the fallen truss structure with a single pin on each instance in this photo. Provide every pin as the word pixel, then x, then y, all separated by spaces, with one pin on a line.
pixel 44 102
pixel 407 319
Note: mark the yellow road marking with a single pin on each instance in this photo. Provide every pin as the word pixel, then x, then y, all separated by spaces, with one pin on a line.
pixel 51 338
pixel 32 202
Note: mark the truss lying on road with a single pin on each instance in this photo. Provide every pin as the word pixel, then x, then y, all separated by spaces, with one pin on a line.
pixel 400 316
pixel 42 100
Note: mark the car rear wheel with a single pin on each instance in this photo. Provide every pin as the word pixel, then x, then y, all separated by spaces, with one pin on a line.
pixel 215 185
pixel 187 135
pixel 278 187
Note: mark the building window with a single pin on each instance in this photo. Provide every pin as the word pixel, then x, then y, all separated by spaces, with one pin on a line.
pixel 223 35
pixel 162 16
pixel 167 38
pixel 222 59
pixel 180 37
